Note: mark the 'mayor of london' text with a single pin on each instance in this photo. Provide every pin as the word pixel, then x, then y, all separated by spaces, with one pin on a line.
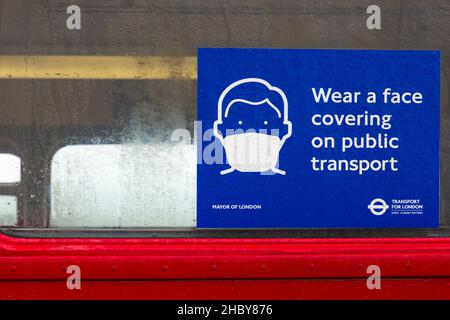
pixel 236 207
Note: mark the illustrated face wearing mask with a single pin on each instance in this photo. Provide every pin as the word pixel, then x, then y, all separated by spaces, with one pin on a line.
pixel 252 128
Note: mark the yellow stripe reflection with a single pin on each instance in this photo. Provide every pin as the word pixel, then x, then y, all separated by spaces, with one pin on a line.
pixel 98 67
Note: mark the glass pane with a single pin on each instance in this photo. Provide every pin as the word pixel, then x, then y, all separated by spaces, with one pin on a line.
pixel 8 210
pixel 10 169
pixel 123 186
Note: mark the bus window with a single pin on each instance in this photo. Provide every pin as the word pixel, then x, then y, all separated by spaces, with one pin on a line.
pixel 98 126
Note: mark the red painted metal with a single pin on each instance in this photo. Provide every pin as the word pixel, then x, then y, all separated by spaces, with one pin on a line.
pixel 230 289
pixel 268 261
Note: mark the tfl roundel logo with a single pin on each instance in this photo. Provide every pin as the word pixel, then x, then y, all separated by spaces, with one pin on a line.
pixel 378 207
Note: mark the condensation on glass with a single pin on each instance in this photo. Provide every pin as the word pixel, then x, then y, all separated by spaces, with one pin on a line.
pixel 100 153
pixel 116 185
pixel 8 210
pixel 10 168
pixel 10 176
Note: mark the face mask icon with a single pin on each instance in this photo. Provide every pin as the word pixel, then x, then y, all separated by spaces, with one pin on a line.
pixel 252 125
pixel 252 152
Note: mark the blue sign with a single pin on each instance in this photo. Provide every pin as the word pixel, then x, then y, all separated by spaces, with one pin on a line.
pixel 318 138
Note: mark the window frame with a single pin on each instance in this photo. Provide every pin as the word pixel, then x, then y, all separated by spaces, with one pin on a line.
pixel 233 258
